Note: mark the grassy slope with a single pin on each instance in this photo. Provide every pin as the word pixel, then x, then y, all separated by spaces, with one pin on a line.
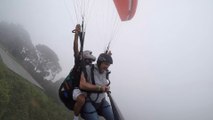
pixel 20 100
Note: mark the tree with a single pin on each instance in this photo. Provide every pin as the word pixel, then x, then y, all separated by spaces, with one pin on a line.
pixel 48 62
pixel 17 41
pixel 40 61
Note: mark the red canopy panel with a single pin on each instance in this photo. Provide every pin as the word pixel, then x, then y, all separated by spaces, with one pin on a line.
pixel 126 8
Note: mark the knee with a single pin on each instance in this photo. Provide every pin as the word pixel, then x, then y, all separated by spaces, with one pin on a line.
pixel 81 99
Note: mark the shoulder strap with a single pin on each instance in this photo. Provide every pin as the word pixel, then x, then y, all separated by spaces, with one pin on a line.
pixel 93 82
pixel 92 74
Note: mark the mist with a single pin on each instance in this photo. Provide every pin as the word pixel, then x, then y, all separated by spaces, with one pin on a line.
pixel 162 58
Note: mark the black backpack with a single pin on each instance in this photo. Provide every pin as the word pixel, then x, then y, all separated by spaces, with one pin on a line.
pixel 66 91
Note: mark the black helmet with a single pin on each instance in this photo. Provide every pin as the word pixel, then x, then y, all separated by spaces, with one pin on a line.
pixel 105 58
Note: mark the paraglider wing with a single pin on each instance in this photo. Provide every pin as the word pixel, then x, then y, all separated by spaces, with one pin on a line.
pixel 126 8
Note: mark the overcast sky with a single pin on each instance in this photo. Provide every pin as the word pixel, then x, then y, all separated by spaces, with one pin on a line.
pixel 163 57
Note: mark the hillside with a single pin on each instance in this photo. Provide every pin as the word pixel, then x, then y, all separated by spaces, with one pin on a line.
pixel 16 67
pixel 21 100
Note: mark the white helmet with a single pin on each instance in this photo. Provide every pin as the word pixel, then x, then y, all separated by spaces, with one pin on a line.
pixel 88 55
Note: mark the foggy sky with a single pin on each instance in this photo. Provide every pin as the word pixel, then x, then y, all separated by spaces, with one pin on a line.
pixel 163 67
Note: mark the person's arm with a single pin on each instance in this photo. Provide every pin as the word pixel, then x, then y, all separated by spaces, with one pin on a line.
pixel 84 85
pixel 75 43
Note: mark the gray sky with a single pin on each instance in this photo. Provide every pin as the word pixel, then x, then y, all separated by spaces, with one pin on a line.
pixel 163 67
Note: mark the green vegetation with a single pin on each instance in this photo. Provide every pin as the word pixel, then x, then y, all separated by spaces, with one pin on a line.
pixel 21 100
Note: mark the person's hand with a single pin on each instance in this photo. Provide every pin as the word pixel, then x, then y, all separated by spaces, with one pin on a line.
pixel 77 29
pixel 105 88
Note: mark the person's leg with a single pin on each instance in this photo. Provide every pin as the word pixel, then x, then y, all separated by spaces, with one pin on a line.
pixel 79 102
pixel 107 110
pixel 89 111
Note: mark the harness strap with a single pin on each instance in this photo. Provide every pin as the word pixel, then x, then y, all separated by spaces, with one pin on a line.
pixel 92 75
pixel 93 82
